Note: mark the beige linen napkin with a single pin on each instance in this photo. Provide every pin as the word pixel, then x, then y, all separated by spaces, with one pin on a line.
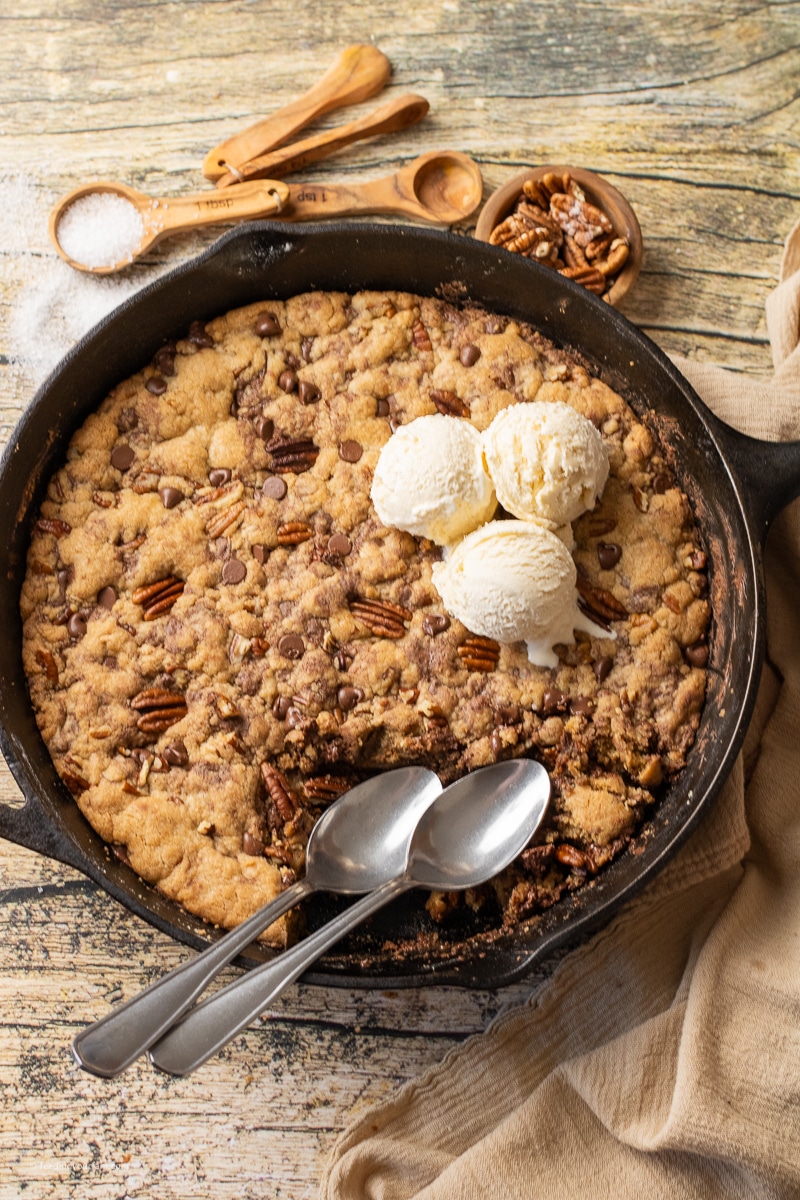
pixel 663 1057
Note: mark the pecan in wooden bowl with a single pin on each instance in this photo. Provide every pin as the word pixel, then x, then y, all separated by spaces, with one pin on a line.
pixel 569 219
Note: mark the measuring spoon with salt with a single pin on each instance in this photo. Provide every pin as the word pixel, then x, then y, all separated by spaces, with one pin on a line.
pixel 102 227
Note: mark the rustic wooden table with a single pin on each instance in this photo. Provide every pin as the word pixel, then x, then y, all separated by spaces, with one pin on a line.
pixel 690 108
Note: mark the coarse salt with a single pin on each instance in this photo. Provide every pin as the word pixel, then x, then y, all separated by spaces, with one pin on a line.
pixel 100 230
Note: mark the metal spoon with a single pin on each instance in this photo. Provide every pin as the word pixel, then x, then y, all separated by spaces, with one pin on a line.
pixel 162 218
pixel 358 843
pixel 469 833
pixel 443 186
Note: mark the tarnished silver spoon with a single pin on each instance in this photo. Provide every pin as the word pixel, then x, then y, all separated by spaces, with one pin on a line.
pixel 358 843
pixel 470 832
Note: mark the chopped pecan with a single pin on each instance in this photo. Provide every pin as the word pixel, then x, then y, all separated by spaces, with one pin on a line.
pixel 225 520
pixel 420 337
pixel 292 533
pixel 226 493
pixel 103 501
pixel 157 598
pixel 538 858
pixel 159 709
pixel 279 791
pixel 52 525
pixel 597 525
pixel 479 653
pixel 448 403
pixel 381 617
pixel 225 707
pixel 75 782
pixel 296 456
pixel 640 499
pixel 570 856
pixel 600 601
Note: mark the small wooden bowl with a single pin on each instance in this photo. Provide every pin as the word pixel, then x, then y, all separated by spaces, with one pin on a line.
pixel 599 192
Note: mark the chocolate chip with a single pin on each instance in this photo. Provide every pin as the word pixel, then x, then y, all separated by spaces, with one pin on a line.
pixel 340 545
pixel 274 488
pixel 308 392
pixel 581 706
pixel 164 361
pixel 252 845
pixel 509 714
pixel 662 483
pixel 293 361
pixel 65 577
pixel 107 597
pixel 469 355
pixel 260 553
pixel 234 571
pixel 554 701
pixel 219 476
pixel 433 623
pixel 395 423
pixel 222 547
pixel 350 451
pixel 696 654
pixel 122 456
pixel 198 335
pixel 281 707
pixel 110 662
pixel 287 380
pixel 496 745
pixel 305 348
pixel 342 660
pixel 267 325
pixel 156 385
pixel 176 754
pixel 77 626
pixel 609 554
pixel 170 497
pixel 291 646
pixel 127 420
pixel 265 427
pixel 602 668
pixel 382 408
pixel 348 697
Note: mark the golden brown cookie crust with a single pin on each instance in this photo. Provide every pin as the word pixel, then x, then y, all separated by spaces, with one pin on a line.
pixel 220 635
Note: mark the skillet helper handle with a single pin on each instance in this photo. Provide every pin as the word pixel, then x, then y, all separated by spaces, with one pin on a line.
pixel 396 114
pixel 213 1023
pixel 360 72
pixel 769 473
pixel 31 826
pixel 111 1044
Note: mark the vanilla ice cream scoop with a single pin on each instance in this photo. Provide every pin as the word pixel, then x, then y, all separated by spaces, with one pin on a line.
pixel 546 460
pixel 431 480
pixel 515 581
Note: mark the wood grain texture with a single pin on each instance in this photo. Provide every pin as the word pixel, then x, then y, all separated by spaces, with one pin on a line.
pixel 691 109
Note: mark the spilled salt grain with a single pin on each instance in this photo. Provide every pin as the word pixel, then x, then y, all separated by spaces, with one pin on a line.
pixel 100 230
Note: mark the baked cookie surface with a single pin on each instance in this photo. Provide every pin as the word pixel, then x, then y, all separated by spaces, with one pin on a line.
pixel 220 636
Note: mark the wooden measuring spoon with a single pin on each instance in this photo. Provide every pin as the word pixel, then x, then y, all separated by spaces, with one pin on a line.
pixel 160 218
pixel 443 186
pixel 397 114
pixel 360 72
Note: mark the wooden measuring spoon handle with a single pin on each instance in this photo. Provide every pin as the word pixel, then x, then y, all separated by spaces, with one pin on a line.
pixel 397 114
pixel 361 71
pixel 261 198
pixel 390 195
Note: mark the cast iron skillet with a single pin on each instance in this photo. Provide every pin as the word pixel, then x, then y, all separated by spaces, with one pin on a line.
pixel 735 484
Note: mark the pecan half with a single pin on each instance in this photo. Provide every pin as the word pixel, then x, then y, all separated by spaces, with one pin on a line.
pixel 448 403
pixel 159 709
pixel 157 598
pixel 479 653
pixel 225 520
pixel 279 791
pixel 381 618
pixel 58 528
pixel 326 788
pixel 296 456
pixel 292 533
pixel 587 277
pixel 600 601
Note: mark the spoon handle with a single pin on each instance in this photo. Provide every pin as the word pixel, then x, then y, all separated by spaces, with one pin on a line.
pixel 389 195
pixel 398 113
pixel 360 72
pixel 259 198
pixel 111 1044
pixel 212 1024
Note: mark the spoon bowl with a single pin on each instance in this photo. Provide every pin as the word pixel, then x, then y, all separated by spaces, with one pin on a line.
pixel 158 218
pixel 358 844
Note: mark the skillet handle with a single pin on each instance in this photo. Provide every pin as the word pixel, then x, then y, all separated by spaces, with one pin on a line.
pixel 31 826
pixel 769 473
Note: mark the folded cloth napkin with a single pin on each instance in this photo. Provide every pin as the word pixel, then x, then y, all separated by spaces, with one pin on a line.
pixel 662 1058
